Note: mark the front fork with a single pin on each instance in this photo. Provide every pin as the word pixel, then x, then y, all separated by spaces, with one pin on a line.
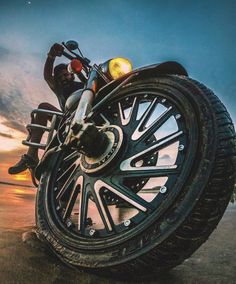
pixel 87 97
pixel 85 136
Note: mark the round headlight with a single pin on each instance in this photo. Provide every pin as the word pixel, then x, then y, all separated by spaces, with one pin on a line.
pixel 119 67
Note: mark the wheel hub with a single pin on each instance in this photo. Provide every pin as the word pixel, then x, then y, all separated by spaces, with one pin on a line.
pixel 95 164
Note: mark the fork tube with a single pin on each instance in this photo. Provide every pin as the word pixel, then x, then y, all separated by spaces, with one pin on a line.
pixel 85 103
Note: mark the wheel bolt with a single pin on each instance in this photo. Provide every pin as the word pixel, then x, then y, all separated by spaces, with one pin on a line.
pixel 178 116
pixel 55 188
pixel 139 163
pixel 127 223
pixel 92 232
pixel 163 100
pixel 181 147
pixel 58 208
pixel 69 224
pixel 163 189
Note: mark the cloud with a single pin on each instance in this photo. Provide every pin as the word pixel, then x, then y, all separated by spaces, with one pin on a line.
pixel 10 137
pixel 13 108
pixel 22 87
pixel 3 52
pixel 12 124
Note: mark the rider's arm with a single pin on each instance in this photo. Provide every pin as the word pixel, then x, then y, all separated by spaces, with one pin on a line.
pixel 55 50
pixel 48 70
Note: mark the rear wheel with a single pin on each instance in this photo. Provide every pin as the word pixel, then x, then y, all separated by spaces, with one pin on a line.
pixel 157 192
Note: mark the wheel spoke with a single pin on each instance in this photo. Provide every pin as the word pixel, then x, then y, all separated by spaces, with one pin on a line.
pixel 69 179
pixel 127 195
pixel 132 113
pixel 105 119
pixel 157 146
pixel 152 171
pixel 83 206
pixel 145 116
pixel 65 172
pixel 75 164
pixel 102 208
pixel 71 156
pixel 72 199
pixel 147 132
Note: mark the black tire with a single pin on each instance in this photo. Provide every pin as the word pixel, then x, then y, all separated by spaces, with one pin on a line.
pixel 186 217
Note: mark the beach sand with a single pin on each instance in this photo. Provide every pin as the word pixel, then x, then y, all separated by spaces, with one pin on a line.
pixel 31 261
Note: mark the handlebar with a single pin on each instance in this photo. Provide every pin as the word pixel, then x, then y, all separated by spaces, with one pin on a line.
pixel 67 55
pixel 84 61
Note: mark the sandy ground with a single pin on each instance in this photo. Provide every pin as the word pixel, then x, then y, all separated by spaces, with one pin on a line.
pixel 31 262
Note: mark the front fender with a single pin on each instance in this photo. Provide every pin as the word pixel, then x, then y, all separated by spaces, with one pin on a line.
pixel 169 67
pixel 150 71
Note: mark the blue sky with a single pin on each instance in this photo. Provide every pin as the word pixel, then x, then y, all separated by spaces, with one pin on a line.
pixel 201 35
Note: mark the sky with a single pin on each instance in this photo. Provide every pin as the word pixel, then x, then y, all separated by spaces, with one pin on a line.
pixel 201 35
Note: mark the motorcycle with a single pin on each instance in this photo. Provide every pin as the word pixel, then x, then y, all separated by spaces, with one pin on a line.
pixel 139 171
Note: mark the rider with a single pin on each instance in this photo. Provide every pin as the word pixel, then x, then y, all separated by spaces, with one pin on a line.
pixel 62 84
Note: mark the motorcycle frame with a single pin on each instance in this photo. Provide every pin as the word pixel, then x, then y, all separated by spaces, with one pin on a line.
pixel 55 116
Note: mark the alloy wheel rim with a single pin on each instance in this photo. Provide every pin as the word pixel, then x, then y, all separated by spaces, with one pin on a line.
pixel 124 187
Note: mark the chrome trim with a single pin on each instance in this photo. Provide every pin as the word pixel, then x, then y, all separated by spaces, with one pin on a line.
pixel 33 126
pixel 49 112
pixel 32 144
pixel 124 120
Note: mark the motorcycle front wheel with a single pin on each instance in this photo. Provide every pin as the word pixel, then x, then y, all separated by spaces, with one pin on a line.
pixel 156 193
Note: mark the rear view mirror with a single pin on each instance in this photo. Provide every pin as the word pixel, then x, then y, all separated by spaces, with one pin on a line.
pixel 72 44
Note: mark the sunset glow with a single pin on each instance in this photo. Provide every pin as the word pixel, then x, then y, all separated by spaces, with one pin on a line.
pixel 20 191
pixel 25 176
